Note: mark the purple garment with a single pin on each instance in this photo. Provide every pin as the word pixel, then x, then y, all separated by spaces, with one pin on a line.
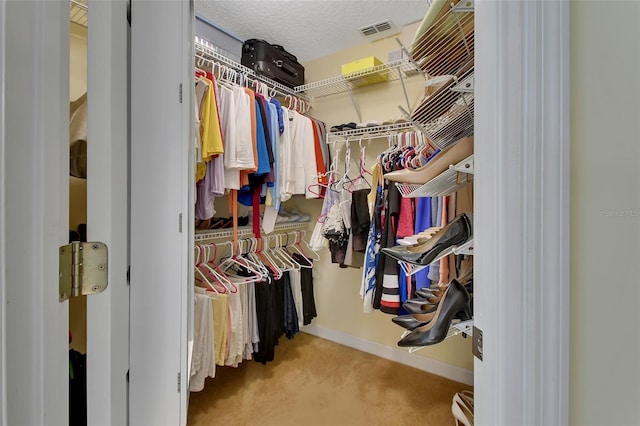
pixel 210 187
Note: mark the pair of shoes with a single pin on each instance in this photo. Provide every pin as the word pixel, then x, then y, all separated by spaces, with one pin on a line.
pixel 462 408
pixel 343 127
pixel 455 300
pixel 291 216
pixel 454 233
pixel 452 154
pixel 370 123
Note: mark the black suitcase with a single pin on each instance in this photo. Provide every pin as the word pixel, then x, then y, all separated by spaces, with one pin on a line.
pixel 272 61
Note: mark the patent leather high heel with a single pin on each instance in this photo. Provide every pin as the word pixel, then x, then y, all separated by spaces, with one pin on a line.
pixel 411 321
pixel 456 299
pixel 454 233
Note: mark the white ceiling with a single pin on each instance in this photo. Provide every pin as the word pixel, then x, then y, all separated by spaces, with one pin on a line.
pixel 309 29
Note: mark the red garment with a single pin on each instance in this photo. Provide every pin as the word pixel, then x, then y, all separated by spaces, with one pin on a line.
pixel 406 218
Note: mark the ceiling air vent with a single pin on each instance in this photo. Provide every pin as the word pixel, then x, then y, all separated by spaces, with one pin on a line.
pixel 376 29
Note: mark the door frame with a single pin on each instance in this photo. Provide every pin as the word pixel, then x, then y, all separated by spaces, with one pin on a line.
pixel 108 209
pixel 521 218
pixel 35 210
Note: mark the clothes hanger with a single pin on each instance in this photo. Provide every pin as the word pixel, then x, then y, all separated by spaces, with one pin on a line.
pixel 295 246
pixel 279 251
pixel 204 279
pixel 362 171
pixel 236 261
pixel 215 269
pixel 300 240
pixel 249 256
pixel 271 263
pixel 216 276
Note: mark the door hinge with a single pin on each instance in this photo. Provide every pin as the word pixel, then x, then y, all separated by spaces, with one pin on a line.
pixel 129 274
pixel 180 223
pixel 476 345
pixel 179 382
pixel 180 92
pixel 82 269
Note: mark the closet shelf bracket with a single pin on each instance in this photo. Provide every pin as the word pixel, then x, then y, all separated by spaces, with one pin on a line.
pixel 464 6
pixel 466 85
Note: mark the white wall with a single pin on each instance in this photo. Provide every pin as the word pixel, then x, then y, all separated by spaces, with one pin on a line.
pixel 605 213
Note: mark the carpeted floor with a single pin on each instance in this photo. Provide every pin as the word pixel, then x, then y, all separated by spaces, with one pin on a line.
pixel 317 382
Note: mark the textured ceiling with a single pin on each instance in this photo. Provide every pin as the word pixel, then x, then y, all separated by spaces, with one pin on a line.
pixel 309 29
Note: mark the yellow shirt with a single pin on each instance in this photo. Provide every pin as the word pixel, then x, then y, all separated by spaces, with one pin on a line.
pixel 211 132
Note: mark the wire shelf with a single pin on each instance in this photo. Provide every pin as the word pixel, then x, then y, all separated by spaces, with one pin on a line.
pixel 447 115
pixel 466 249
pixel 449 43
pixel 392 71
pixel 246 230
pixel 457 327
pixel 445 183
pixel 208 53
pixel 371 132
pixel 78 12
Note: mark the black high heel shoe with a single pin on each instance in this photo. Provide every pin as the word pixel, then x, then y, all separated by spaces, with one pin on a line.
pixel 454 233
pixel 420 308
pixel 411 322
pixel 456 299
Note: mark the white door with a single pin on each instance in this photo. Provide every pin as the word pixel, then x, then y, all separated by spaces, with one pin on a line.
pixel 161 209
pixel 34 152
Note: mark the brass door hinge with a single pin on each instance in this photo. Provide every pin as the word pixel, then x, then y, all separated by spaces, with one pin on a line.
pixel 83 269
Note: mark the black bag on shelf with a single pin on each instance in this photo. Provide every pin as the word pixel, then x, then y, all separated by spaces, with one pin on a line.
pixel 272 61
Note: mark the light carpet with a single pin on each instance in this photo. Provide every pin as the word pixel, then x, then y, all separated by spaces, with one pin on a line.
pixel 314 381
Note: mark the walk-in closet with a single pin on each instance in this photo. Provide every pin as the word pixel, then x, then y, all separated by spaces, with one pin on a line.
pixel 314 212
pixel 347 227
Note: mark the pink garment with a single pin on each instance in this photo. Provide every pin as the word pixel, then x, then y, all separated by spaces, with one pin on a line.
pixel 444 262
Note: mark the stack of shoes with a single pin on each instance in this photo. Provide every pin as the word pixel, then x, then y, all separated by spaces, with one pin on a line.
pixel 219 223
pixel 462 408
pixel 433 311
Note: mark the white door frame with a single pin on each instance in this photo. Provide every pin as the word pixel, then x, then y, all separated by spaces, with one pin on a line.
pixel 35 210
pixel 521 220
pixel 108 209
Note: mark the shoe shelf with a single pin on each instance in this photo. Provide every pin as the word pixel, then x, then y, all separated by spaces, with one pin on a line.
pixel 392 71
pixel 466 249
pixel 246 230
pixel 79 12
pixel 445 183
pixel 457 327
pixel 446 115
pixel 370 132
pixel 449 42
